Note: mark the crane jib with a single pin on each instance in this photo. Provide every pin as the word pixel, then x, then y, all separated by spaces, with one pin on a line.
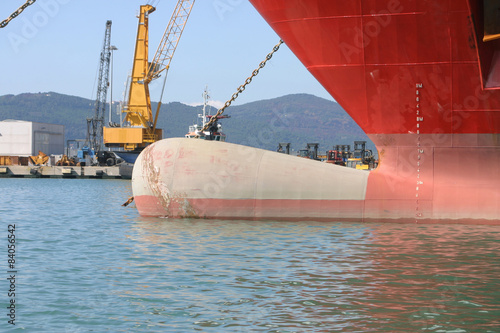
pixel 170 40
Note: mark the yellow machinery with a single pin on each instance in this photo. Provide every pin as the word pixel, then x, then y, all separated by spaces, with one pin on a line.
pixel 40 159
pixel 139 127
pixel 357 163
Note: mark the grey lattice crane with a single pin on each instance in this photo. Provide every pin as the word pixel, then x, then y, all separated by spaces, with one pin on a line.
pixel 96 123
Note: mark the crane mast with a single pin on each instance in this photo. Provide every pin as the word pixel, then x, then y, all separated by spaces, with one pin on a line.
pixel 95 124
pixel 138 106
pixel 139 128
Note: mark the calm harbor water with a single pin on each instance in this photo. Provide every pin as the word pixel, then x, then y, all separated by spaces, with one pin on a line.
pixel 84 263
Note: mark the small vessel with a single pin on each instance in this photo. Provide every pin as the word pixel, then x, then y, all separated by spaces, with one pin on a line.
pixel 214 132
pixel 421 78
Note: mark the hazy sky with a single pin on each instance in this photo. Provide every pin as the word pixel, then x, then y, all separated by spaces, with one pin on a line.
pixel 54 45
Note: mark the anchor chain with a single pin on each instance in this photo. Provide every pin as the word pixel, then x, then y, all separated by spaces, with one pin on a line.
pixel 16 13
pixel 242 87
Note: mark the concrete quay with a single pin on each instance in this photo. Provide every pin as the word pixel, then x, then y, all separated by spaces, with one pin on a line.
pixel 100 172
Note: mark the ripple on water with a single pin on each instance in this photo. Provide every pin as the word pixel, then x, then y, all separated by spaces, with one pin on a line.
pixel 88 264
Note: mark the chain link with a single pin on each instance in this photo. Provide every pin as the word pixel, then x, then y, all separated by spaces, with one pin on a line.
pixel 242 87
pixel 16 13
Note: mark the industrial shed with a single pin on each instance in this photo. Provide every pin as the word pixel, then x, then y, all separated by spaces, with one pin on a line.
pixel 26 138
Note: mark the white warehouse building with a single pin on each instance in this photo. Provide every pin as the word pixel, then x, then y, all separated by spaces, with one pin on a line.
pixel 26 138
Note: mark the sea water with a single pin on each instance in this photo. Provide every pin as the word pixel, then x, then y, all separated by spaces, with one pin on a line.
pixel 84 263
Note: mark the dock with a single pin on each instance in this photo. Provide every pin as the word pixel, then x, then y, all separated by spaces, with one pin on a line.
pixel 123 171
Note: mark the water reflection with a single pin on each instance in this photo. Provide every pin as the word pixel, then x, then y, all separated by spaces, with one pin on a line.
pixel 87 264
pixel 438 277
pixel 318 276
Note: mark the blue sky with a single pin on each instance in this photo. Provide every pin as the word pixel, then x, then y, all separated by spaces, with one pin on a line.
pixel 54 45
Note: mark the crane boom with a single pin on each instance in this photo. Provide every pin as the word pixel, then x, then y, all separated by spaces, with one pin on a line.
pixel 170 40
pixel 95 124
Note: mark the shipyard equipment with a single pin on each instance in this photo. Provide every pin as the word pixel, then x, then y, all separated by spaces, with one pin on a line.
pixel 139 127
pixel 284 147
pixel 338 155
pixel 96 123
pixel 361 158
pixel 85 156
pixel 40 159
pixel 311 151
pixel 66 161
pixel 346 151
pixel 335 156
pixel 93 143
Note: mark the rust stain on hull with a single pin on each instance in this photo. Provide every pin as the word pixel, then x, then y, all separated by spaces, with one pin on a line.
pixel 174 203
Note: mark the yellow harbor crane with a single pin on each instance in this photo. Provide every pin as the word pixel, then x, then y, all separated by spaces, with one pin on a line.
pixel 139 127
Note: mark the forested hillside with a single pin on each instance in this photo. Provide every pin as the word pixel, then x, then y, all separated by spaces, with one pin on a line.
pixel 297 119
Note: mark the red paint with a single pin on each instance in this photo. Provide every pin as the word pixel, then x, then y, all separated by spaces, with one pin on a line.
pixel 370 54
pixel 149 206
pixel 288 210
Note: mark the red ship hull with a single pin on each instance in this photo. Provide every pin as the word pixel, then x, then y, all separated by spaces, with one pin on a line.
pixel 417 78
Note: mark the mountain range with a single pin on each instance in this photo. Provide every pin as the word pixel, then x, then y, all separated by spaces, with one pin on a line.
pixel 298 119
